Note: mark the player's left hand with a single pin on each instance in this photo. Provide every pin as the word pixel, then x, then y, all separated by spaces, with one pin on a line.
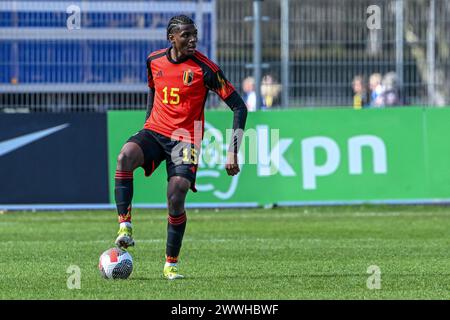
pixel 232 165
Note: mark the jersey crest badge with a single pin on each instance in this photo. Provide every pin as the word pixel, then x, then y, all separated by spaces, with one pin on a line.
pixel 188 77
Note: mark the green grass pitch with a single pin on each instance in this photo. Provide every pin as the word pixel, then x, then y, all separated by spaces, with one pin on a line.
pixel 282 253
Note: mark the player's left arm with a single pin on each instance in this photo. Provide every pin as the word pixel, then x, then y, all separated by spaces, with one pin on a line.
pixel 216 81
pixel 237 105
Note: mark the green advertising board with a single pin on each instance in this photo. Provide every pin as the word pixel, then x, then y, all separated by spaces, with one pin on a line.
pixel 310 156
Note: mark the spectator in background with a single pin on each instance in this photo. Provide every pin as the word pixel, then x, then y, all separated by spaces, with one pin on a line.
pixel 360 99
pixel 269 90
pixel 390 95
pixel 248 86
pixel 375 90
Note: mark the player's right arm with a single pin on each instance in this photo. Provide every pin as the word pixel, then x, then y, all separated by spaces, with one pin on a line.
pixel 150 99
pixel 151 86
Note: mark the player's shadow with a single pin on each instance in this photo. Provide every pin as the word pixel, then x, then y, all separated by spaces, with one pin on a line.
pixel 145 278
pixel 307 275
pixel 155 278
pixel 270 275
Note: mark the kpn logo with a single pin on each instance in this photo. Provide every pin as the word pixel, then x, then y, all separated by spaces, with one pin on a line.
pixel 266 154
pixel 334 155
pixel 320 156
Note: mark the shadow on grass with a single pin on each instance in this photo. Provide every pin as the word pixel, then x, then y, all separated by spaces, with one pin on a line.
pixel 305 275
pixel 155 278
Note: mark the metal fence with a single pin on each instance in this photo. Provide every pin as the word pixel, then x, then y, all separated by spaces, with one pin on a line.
pixel 101 66
pixel 330 42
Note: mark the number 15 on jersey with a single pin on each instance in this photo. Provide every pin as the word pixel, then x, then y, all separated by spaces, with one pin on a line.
pixel 171 96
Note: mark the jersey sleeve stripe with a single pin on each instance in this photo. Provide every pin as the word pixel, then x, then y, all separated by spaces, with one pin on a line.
pixel 158 51
pixel 156 56
pixel 208 62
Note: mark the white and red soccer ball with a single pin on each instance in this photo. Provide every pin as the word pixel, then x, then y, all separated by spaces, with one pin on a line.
pixel 115 264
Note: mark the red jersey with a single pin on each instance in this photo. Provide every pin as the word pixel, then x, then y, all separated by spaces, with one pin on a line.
pixel 181 89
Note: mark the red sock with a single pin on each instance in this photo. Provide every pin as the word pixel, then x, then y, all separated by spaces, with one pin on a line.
pixel 175 232
pixel 171 259
pixel 124 194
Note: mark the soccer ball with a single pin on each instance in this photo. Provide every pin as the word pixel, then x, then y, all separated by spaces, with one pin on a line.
pixel 115 264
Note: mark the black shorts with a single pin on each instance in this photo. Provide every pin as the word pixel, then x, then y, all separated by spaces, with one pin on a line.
pixel 181 157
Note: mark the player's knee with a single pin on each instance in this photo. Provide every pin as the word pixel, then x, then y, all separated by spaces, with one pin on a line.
pixel 178 188
pixel 125 161
pixel 176 203
pixel 179 184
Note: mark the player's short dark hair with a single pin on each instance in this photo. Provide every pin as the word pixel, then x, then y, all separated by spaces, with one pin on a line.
pixel 176 21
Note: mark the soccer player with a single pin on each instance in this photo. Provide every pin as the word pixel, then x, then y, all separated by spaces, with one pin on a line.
pixel 179 79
